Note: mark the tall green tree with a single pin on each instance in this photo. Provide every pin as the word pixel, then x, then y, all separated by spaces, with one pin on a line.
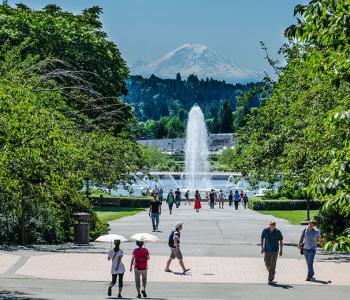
pixel 76 42
pixel 300 134
pixel 225 118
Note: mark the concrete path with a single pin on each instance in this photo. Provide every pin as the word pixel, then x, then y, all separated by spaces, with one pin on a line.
pixel 95 267
pixel 220 246
pixel 217 232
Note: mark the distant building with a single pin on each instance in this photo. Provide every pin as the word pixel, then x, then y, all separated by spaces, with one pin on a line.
pixel 217 142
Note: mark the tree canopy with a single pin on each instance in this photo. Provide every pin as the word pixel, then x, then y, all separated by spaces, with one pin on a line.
pixel 300 134
pixel 58 129
pixel 76 41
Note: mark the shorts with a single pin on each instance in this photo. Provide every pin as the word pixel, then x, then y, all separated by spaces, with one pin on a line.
pixel 175 254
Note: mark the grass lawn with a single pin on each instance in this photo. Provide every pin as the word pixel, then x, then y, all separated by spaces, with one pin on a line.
pixel 113 213
pixel 294 216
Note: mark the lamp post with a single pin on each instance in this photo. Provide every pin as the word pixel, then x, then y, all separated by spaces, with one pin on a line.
pixel 24 221
pixel 308 209
pixel 307 213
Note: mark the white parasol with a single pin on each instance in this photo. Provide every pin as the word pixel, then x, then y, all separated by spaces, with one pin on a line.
pixel 110 238
pixel 145 237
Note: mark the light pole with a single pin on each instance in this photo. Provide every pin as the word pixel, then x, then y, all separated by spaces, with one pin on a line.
pixel 24 221
pixel 308 209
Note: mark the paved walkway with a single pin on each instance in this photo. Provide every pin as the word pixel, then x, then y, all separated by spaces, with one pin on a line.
pixel 7 261
pixel 226 232
pixel 220 246
pixel 95 267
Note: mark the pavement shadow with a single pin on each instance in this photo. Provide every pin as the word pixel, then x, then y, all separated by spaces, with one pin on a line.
pixel 16 295
pixel 64 248
pixel 180 273
pixel 134 298
pixel 336 258
pixel 283 286
pixel 322 281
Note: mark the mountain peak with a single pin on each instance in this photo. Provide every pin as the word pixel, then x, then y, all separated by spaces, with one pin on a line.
pixel 194 58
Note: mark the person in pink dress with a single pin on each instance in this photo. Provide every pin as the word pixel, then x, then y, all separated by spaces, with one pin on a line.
pixel 197 201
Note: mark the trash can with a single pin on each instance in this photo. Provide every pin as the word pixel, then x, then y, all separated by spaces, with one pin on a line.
pixel 81 228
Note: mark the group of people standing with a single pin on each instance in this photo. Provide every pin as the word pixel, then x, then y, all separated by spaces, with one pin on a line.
pixel 233 198
pixel 176 198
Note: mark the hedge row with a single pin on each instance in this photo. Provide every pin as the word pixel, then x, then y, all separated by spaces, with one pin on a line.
pixel 284 204
pixel 137 202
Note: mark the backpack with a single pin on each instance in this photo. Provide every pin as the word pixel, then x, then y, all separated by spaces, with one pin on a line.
pixel 171 240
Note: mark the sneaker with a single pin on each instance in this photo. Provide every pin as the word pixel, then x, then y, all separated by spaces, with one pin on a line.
pixel 184 272
pixel 144 293
pixel 138 295
pixel 109 293
pixel 120 296
pixel 308 279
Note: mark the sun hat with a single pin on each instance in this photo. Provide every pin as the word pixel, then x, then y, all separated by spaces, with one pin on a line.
pixel 178 224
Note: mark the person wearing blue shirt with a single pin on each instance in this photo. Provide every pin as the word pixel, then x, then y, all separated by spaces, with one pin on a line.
pixel 308 243
pixel 236 199
pixel 271 245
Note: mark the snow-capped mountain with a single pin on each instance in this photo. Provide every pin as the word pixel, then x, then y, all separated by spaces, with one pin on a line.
pixel 192 58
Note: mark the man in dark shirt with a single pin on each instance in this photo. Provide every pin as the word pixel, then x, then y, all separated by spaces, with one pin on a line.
pixel 187 197
pixel 212 197
pixel 155 211
pixel 271 244
pixel 177 198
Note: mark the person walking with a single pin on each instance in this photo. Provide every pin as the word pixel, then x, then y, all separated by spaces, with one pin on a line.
pixel 187 197
pixel 177 197
pixel 207 198
pixel 230 198
pixel 197 201
pixel 175 252
pixel 245 201
pixel 118 268
pixel 160 196
pixel 271 246
pixel 241 195
pixel 139 260
pixel 155 211
pixel 222 198
pixel 236 199
pixel 307 245
pixel 212 197
pixel 155 190
pixel 170 200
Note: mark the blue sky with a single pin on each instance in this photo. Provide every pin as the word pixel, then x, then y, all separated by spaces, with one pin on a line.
pixel 147 29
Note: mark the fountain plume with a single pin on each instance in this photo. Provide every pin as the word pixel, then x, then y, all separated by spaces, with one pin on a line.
pixel 196 151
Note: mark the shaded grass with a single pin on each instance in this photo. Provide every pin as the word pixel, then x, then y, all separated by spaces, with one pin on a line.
pixel 108 214
pixel 294 216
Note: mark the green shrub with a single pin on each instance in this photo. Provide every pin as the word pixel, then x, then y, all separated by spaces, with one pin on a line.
pixel 9 227
pixel 283 204
pixel 122 201
pixel 97 227
pixel 44 226
pixel 332 222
